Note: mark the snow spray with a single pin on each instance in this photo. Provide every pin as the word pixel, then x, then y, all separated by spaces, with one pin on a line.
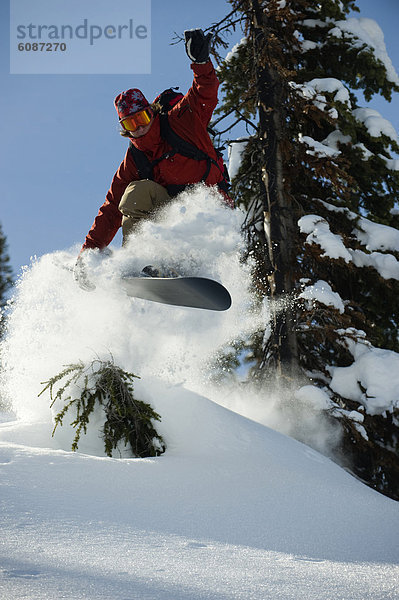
pixel 53 323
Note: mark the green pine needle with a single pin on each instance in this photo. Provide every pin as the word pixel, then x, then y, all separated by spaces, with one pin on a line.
pixel 128 421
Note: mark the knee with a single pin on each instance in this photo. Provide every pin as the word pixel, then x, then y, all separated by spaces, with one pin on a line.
pixel 143 195
pixel 134 191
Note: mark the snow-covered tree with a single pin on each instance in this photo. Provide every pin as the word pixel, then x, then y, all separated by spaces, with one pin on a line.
pixel 5 272
pixel 319 180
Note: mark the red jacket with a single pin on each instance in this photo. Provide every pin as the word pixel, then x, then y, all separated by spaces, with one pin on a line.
pixel 189 118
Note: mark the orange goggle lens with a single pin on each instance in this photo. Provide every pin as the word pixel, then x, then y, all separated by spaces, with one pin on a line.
pixel 139 119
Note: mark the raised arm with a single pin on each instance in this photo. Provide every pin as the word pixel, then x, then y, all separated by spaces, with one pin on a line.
pixel 202 96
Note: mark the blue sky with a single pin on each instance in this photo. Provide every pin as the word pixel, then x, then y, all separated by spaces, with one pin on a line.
pixel 59 140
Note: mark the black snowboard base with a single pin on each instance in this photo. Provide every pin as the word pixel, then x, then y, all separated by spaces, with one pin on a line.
pixel 193 292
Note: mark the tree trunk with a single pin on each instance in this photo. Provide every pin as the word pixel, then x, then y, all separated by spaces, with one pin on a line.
pixel 281 353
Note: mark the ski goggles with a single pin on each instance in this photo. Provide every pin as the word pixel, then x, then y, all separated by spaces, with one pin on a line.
pixel 139 119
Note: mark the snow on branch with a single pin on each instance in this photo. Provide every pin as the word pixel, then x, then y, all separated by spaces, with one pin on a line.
pixel 392 163
pixel 386 264
pixel 319 233
pixel 310 93
pixel 367 32
pixel 332 86
pixel 322 292
pixel 336 137
pixel 375 124
pixel 372 235
pixel 372 379
pixel 316 148
pixel 234 51
pixel 376 236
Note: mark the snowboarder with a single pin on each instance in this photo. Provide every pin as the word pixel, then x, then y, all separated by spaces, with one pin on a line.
pixel 167 152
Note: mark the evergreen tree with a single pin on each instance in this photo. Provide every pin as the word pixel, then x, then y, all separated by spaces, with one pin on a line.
pixel 5 273
pixel 319 180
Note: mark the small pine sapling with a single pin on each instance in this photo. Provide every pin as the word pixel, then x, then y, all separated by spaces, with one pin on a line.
pixel 128 420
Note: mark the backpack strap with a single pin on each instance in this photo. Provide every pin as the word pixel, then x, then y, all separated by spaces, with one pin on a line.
pixel 143 164
pixel 183 147
pixel 179 144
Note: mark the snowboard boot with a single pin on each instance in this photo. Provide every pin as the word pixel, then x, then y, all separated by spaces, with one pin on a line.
pixel 151 271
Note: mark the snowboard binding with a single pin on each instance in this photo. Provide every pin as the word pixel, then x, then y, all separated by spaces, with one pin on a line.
pixel 152 271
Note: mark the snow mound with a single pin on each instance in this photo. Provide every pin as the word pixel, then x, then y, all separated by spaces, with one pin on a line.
pixel 233 510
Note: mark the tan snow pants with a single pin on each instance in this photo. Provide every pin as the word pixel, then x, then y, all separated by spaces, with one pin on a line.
pixel 140 200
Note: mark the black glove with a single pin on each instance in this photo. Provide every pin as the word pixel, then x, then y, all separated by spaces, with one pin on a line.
pixel 80 275
pixel 198 45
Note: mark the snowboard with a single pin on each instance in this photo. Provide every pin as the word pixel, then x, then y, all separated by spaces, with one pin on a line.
pixel 193 292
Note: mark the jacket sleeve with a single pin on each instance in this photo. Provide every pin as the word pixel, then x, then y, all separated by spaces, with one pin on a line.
pixel 109 217
pixel 203 94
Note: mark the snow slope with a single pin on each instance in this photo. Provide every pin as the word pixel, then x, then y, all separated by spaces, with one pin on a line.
pixel 232 510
